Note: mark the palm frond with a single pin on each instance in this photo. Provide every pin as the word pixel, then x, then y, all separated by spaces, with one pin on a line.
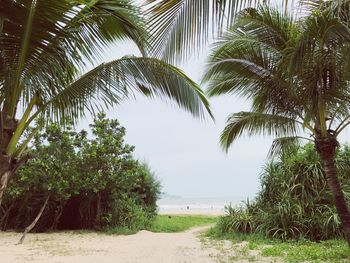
pixel 113 81
pixel 64 34
pixel 182 27
pixel 285 144
pixel 253 123
pixel 247 61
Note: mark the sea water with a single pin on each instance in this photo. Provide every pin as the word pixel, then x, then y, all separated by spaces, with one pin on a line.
pixel 199 205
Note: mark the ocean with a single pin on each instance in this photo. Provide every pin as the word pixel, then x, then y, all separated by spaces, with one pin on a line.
pixel 205 205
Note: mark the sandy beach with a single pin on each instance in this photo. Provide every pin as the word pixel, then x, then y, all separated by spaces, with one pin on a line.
pixel 143 247
pixel 72 247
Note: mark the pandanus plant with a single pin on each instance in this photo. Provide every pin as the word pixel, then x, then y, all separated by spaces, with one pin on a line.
pixel 296 73
pixel 44 48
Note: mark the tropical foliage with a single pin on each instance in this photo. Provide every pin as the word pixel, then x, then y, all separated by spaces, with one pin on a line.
pixel 91 183
pixel 295 71
pixel 294 200
pixel 181 27
pixel 44 48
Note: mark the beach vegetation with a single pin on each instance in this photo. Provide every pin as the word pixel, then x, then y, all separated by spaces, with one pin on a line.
pixel 178 223
pixel 90 181
pixel 50 52
pixel 294 201
pixel 294 71
pixel 259 248
pixel 181 28
pixel 167 224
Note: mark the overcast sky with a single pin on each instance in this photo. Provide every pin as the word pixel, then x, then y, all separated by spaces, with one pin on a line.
pixel 184 151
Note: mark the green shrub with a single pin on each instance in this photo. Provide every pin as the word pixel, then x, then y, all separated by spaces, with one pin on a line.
pixel 294 200
pixel 92 182
pixel 236 220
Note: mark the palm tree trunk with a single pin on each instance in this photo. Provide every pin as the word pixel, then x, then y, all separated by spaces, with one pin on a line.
pixel 5 173
pixel 8 167
pixel 326 148
pixel 7 127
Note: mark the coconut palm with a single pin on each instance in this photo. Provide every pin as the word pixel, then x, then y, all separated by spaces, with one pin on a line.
pixel 44 46
pixel 296 73
pixel 182 27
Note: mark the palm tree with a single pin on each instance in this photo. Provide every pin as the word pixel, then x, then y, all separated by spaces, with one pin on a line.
pixel 181 27
pixel 44 46
pixel 296 73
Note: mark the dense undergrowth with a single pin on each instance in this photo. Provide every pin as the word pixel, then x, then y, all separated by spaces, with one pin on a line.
pixel 92 183
pixel 294 201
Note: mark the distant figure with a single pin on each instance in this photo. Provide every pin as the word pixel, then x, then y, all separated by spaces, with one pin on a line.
pixel 188 207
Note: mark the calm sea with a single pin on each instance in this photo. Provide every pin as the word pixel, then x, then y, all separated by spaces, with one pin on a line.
pixel 182 205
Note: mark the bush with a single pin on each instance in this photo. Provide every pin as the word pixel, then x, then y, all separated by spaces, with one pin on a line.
pixel 294 200
pixel 236 220
pixel 92 183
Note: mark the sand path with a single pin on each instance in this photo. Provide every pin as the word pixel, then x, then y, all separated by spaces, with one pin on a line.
pixel 73 247
pixel 143 247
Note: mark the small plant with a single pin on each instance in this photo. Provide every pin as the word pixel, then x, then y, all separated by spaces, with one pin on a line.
pixel 236 220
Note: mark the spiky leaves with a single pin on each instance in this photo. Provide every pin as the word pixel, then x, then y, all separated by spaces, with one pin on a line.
pixel 44 46
pixel 297 70
pixel 182 27
pixel 113 81
pixel 42 42
pixel 296 73
pixel 253 123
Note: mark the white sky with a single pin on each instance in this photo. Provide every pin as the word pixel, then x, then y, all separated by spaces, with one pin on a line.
pixel 184 151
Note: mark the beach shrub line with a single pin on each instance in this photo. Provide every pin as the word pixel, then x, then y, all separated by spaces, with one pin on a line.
pixel 294 201
pixel 93 182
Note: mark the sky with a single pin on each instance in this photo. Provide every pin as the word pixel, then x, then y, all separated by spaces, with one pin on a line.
pixel 183 151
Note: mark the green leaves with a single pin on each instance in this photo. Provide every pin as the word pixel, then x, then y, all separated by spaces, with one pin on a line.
pixel 181 27
pixel 78 171
pixel 44 48
pixel 253 123
pixel 294 201
pixel 111 82
pixel 291 67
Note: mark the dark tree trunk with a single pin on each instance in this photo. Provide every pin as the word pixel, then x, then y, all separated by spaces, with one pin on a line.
pixel 8 167
pixel 98 211
pixel 32 225
pixel 5 173
pixel 58 214
pixel 326 147
pixel 4 219
pixel 8 164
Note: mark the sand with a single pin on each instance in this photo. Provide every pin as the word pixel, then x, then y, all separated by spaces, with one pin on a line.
pixel 143 247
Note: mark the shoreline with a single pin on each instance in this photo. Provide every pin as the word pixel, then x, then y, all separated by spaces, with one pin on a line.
pixel 189 212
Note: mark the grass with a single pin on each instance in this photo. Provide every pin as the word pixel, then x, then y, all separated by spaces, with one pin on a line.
pixel 167 224
pixel 287 251
pixel 179 223
pixel 327 251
